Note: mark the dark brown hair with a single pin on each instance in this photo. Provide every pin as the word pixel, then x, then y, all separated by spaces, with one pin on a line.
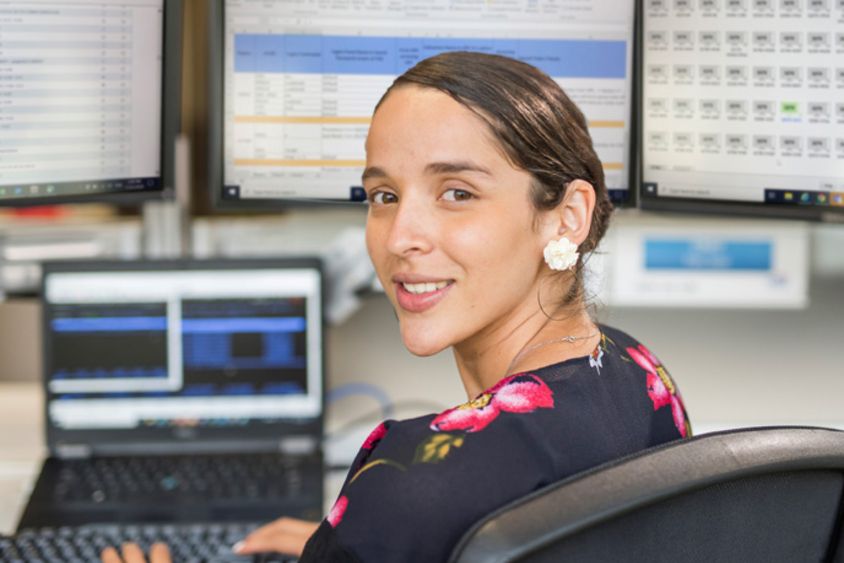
pixel 538 127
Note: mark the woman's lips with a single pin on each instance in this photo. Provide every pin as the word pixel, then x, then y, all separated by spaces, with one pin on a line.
pixel 414 302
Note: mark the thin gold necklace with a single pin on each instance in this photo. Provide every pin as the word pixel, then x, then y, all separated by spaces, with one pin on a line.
pixel 570 339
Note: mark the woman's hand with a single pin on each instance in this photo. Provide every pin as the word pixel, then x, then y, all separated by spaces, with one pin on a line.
pixel 131 553
pixel 285 535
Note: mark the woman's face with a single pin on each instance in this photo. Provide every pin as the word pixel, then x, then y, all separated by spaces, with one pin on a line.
pixel 451 227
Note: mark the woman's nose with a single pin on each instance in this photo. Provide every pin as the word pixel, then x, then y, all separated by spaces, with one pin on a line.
pixel 411 229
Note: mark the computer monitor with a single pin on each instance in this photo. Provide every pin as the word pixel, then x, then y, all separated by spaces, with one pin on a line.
pixel 89 99
pixel 743 106
pixel 207 347
pixel 295 84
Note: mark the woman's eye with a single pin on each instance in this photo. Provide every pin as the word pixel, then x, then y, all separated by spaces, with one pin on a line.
pixel 382 198
pixel 455 194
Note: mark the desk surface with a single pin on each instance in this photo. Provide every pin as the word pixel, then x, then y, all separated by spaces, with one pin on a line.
pixel 22 451
pixel 21 447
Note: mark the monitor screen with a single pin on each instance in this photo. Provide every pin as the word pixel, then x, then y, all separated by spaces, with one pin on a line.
pixel 81 99
pixel 299 81
pixel 743 104
pixel 168 346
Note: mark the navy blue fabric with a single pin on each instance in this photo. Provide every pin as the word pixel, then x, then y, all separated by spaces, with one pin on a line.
pixel 411 494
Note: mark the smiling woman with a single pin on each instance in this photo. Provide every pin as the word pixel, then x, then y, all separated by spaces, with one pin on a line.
pixel 473 166
pixel 484 194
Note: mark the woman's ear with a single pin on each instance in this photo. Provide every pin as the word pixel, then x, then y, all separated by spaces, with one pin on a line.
pixel 575 211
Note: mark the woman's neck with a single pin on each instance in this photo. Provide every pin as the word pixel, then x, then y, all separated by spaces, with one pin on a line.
pixel 530 343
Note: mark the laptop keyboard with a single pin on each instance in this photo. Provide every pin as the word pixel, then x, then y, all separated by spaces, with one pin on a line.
pixel 265 476
pixel 208 543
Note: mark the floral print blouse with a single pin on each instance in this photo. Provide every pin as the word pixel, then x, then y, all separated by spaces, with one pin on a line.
pixel 417 485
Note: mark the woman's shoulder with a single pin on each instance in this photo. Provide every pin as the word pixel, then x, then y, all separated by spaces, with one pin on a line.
pixel 623 381
pixel 635 357
pixel 392 433
pixel 631 351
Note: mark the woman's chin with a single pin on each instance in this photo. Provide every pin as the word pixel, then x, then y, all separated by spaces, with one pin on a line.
pixel 422 345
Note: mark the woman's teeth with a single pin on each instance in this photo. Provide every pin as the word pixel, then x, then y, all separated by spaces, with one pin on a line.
pixel 417 288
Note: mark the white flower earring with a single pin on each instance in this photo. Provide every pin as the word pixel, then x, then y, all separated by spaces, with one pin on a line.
pixel 561 254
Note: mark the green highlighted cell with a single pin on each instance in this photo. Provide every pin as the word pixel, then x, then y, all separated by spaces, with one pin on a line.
pixel 790 108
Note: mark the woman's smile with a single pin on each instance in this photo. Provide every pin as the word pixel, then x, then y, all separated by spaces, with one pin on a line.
pixel 419 297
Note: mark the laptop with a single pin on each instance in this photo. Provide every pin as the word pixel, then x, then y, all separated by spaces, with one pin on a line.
pixel 181 392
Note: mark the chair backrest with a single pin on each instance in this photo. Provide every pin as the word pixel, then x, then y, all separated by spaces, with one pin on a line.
pixel 752 495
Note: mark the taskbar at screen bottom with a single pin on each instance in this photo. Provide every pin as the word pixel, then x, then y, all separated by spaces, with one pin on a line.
pixel 768 196
pixel 235 193
pixel 81 189
pixel 801 197
pixel 773 203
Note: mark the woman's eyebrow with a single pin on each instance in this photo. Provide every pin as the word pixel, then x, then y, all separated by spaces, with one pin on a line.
pixel 454 167
pixel 373 172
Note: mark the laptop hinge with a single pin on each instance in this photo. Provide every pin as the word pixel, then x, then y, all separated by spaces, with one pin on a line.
pixel 298 445
pixel 73 451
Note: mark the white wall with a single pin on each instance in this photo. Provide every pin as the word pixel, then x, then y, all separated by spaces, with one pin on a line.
pixel 752 367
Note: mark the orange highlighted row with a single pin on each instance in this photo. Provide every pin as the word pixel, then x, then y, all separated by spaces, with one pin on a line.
pixel 337 120
pixel 606 125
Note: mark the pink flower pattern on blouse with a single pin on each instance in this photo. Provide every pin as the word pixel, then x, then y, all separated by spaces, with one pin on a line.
pixel 661 389
pixel 375 436
pixel 520 393
pixel 335 515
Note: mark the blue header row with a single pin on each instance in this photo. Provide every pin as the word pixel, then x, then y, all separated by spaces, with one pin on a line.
pixel 339 54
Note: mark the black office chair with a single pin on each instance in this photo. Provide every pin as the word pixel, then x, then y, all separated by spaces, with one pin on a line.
pixel 753 495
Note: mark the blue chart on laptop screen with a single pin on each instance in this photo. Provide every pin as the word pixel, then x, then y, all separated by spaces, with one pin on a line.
pixel 128 349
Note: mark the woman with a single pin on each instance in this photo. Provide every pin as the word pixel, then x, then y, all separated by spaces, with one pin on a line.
pixel 485 193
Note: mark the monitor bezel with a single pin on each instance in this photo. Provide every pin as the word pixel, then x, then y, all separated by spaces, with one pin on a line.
pixel 184 438
pixel 710 207
pixel 171 95
pixel 215 161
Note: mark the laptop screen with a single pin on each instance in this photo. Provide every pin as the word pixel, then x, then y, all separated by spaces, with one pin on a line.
pixel 221 345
